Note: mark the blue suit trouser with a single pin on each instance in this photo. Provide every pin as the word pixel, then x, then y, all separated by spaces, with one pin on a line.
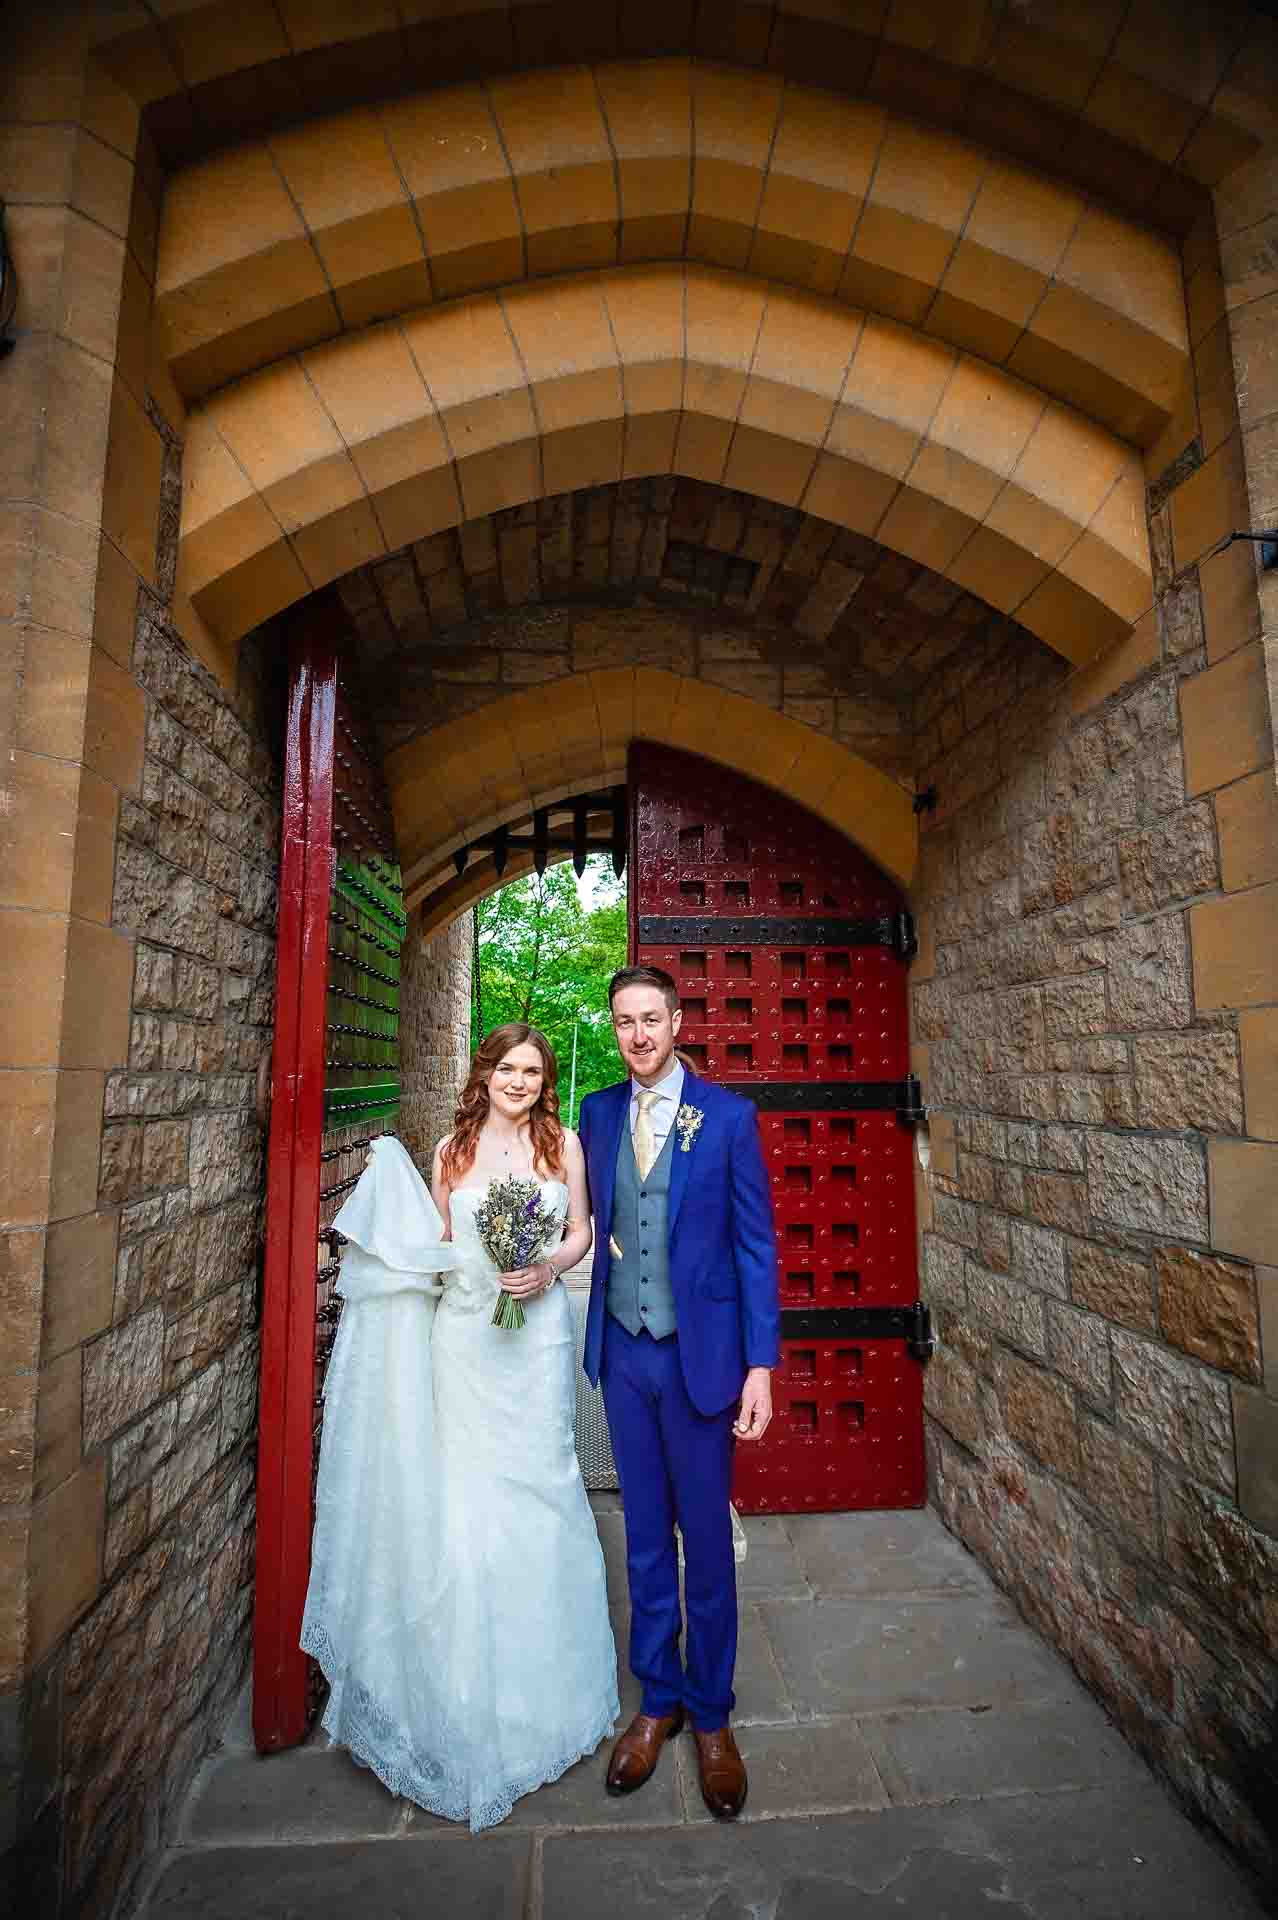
pixel 674 1465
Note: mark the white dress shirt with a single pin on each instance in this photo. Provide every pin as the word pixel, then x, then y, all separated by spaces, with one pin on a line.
pixel 662 1111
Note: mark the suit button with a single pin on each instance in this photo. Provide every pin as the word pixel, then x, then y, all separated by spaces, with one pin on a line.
pixel 643 1280
pixel 643 1193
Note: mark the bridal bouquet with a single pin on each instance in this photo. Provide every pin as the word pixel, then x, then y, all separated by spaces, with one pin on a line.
pixel 514 1230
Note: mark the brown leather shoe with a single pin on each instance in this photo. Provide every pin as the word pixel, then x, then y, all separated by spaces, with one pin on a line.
pixel 723 1774
pixel 635 1754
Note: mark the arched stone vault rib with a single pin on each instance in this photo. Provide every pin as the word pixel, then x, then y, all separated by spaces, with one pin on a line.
pixel 274 246
pixel 352 450
pixel 1147 104
pixel 534 748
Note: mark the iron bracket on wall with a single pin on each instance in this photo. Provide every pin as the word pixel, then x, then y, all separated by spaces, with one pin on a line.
pixel 901 1097
pixel 895 930
pixel 913 1324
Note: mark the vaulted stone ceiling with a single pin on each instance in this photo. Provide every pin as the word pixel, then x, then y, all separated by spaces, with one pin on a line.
pixel 803 616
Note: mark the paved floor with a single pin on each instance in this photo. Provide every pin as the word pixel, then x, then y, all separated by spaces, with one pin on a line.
pixel 915 1752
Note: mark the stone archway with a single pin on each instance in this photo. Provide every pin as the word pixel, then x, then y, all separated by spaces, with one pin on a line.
pixel 496 400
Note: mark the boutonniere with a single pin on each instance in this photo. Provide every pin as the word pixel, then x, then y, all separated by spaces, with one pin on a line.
pixel 688 1120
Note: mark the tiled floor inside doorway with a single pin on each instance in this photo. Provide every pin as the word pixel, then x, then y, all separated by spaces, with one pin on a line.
pixel 916 1752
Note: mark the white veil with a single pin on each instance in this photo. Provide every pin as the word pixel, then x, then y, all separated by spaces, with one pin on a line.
pixel 396 1237
pixel 376 1575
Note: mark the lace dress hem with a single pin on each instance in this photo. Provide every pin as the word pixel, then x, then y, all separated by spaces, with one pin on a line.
pixel 373 1738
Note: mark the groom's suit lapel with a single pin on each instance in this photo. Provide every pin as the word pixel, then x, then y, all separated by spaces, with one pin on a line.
pixel 693 1096
pixel 610 1141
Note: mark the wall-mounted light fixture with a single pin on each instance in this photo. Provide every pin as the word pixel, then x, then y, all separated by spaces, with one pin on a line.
pixel 8 290
pixel 1266 540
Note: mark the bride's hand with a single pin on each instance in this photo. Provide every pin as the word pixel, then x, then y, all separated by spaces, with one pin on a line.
pixel 526 1282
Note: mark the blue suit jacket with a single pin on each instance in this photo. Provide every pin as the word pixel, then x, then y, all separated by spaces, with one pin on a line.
pixel 723 1263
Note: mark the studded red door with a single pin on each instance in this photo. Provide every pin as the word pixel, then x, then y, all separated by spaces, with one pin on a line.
pixel 789 948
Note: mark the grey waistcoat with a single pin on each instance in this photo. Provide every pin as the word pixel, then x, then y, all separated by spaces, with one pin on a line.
pixel 639 1291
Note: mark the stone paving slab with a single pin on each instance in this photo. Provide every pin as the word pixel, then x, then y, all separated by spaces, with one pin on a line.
pixel 801 1768
pixel 960 1754
pixel 307 1794
pixel 1119 1856
pixel 452 1874
pixel 862 1655
pixel 880 1553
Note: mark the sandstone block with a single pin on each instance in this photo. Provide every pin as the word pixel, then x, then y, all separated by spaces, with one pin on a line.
pixel 1081 1102
pixel 154 898
pixel 181 1472
pixel 200 1398
pixel 1207 1307
pixel 144 1041
pixel 202 1336
pixel 135 1455
pixel 120 1167
pixel 1244 1198
pixel 1177 1408
pixel 1232 1562
pixel 993 1240
pixel 1156 1185
pixel 943 1281
pixel 225 1160
pixel 1117 1285
pixel 239 1392
pixel 1064 1149
pixel 1148 975
pixel 123 1375
pixel 956 1220
pixel 127 1527
pixel 1057 1200
pixel 952 1395
pixel 153 978
pixel 1256 1426
pixel 1073 1007
pixel 1039 1413
pixel 1038 1257
pixel 1013 1310
pixel 139 1096
pixel 1235 948
pixel 165 1147
pixel 1172 861
pixel 1189 1080
pixel 1078 1348
pixel 1118 1478
pixel 975 1179
pixel 1180 616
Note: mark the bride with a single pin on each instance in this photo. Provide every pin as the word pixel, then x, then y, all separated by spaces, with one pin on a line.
pixel 457 1603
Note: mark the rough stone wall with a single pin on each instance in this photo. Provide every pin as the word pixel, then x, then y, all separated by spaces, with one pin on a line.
pixel 169 1390
pixel 1099 1425
pixel 434 1033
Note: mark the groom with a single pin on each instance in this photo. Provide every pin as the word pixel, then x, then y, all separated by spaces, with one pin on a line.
pixel 683 1327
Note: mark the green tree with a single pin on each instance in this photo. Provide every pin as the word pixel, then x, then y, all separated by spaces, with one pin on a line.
pixel 540 957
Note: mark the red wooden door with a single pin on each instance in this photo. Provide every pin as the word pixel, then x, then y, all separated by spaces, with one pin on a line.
pixel 790 949
pixel 334 1088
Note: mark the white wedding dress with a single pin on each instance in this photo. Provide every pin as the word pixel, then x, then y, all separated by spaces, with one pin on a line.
pixel 457 1603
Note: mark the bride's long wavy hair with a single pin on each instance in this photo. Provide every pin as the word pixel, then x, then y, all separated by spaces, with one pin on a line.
pixel 472 1108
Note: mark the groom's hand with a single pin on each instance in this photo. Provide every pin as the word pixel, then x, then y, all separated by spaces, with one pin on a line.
pixel 755 1412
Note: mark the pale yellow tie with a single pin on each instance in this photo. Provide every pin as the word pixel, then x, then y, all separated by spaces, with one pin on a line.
pixel 645 1145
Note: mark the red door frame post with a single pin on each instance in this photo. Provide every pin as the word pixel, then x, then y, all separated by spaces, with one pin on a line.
pixel 286 1437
